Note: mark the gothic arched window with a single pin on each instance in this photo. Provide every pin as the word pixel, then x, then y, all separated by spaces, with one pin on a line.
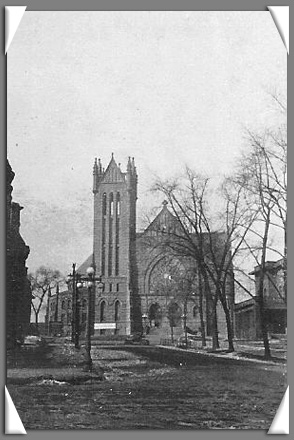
pixel 117 233
pixel 116 311
pixel 104 203
pixel 111 204
pixel 118 204
pixel 102 311
pixel 104 210
pixel 110 249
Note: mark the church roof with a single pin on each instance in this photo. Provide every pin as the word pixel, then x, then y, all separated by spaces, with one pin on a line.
pixel 82 270
pixel 162 221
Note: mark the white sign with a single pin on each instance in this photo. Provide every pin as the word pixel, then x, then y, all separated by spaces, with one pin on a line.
pixel 104 325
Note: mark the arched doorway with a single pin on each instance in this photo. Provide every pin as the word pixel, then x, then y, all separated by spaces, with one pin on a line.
pixel 155 315
pixel 174 314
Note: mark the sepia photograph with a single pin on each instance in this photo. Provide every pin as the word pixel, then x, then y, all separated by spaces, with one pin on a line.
pixel 146 213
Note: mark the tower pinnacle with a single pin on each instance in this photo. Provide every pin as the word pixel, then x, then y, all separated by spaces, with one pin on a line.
pixel 96 175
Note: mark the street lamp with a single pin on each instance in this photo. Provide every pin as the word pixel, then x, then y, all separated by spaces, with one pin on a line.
pixel 90 284
pixel 74 278
pixel 79 281
pixel 90 280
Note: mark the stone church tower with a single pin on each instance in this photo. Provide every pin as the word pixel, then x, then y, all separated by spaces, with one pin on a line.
pixel 114 252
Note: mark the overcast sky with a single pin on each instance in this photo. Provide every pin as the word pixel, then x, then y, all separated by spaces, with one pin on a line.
pixel 169 88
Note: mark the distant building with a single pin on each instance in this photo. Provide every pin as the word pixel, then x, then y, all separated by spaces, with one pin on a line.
pixel 137 295
pixel 18 292
pixel 247 317
pixel 58 318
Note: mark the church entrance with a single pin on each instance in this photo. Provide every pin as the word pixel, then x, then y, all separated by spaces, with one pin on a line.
pixel 155 315
pixel 174 315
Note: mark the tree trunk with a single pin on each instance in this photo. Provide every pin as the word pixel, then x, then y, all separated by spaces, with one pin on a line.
pixel 37 321
pixel 230 332
pixel 48 316
pixel 215 341
pixel 202 325
pixel 285 260
pixel 212 315
pixel 267 353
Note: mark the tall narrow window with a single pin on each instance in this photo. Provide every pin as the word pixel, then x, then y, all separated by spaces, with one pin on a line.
pixel 117 232
pixel 117 248
pixel 104 204
pixel 102 311
pixel 118 204
pixel 116 311
pixel 111 204
pixel 104 211
pixel 110 249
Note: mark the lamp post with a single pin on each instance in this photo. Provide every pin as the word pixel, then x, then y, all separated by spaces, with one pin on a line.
pixel 90 280
pixel 90 284
pixel 80 281
pixel 75 279
pixel 71 278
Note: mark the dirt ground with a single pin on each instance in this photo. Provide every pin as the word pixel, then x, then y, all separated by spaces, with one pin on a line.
pixel 150 388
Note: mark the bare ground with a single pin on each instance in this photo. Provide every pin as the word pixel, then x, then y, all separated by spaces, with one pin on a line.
pixel 147 388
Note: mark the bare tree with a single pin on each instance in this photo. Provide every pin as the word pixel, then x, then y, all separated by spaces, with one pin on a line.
pixel 211 237
pixel 184 237
pixel 263 173
pixel 42 281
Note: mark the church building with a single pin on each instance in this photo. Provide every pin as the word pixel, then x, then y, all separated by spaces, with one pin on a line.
pixel 141 285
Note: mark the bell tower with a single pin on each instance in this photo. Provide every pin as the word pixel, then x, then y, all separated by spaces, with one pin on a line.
pixel 115 195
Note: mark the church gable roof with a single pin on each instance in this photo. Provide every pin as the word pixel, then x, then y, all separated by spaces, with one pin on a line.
pixel 113 174
pixel 163 222
pixel 82 270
